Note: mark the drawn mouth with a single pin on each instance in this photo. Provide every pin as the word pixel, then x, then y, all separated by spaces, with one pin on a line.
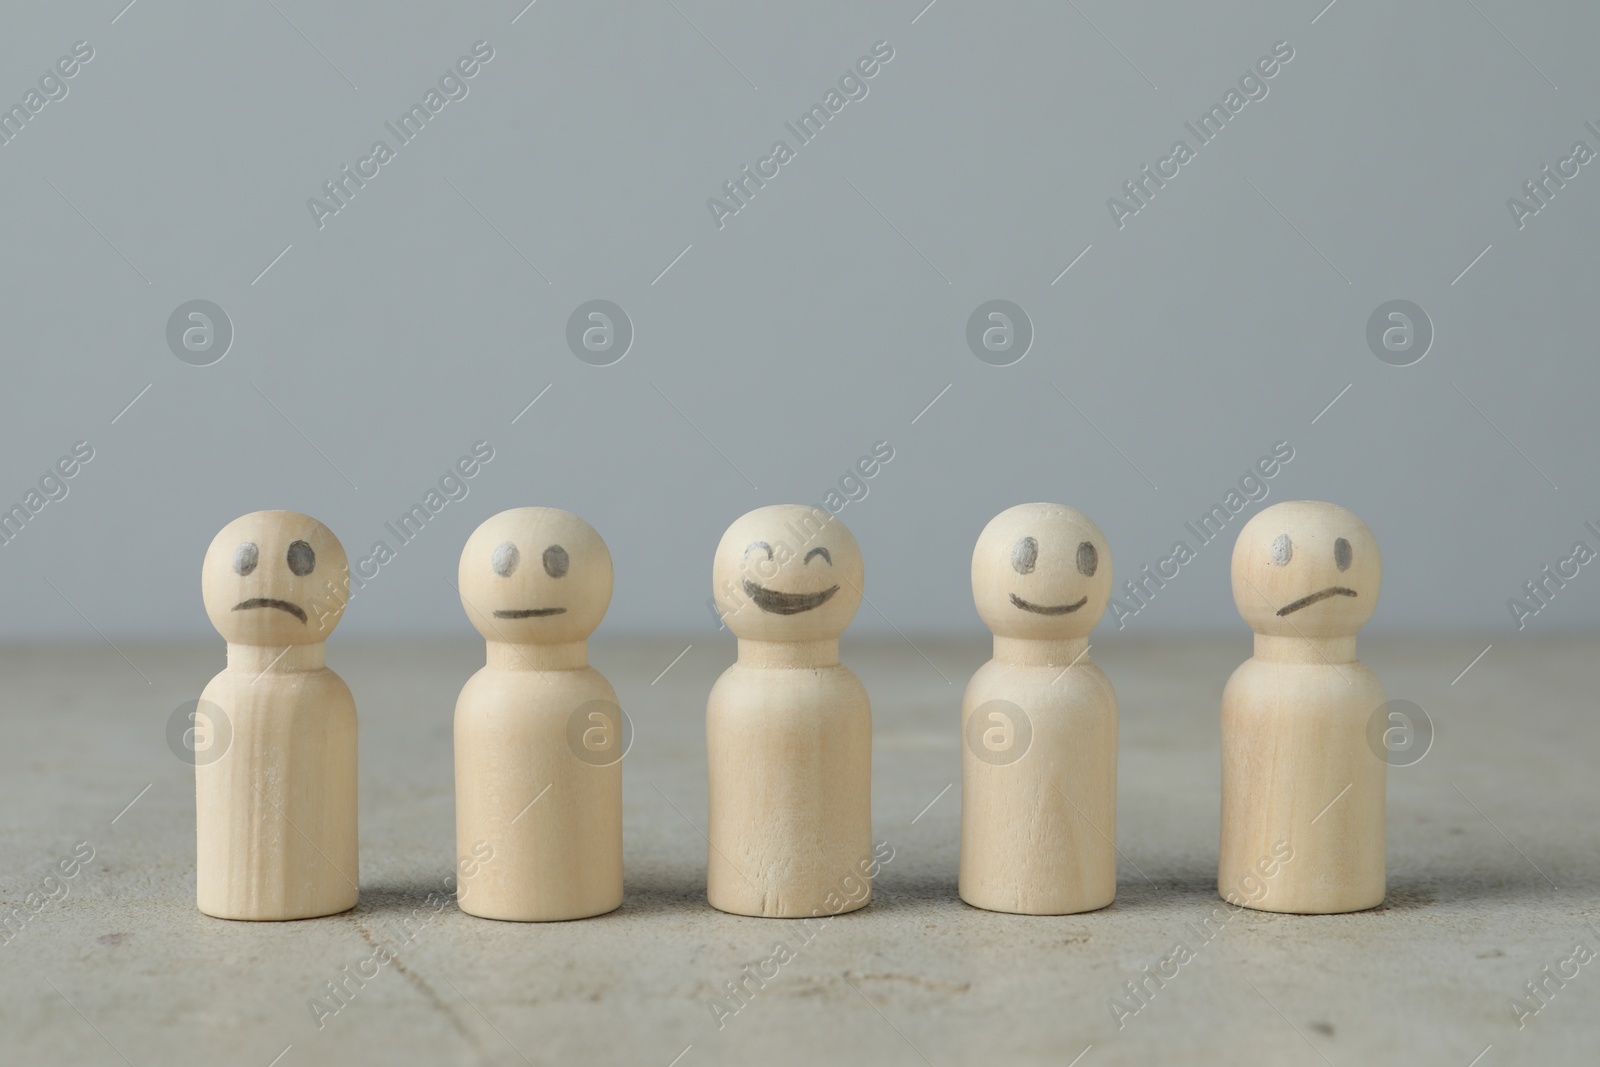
pixel 266 602
pixel 785 603
pixel 1324 594
pixel 1047 609
pixel 527 613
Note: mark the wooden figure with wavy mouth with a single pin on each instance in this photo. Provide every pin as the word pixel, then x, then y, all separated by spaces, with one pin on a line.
pixel 1300 777
pixel 539 735
pixel 1039 721
pixel 275 810
pixel 789 728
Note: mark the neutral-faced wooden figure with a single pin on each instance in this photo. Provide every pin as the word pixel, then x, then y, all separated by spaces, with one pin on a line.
pixel 539 736
pixel 276 809
pixel 1302 786
pixel 1039 721
pixel 788 728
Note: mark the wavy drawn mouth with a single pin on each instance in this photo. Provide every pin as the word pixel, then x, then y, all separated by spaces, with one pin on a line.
pixel 1047 609
pixel 1307 601
pixel 785 603
pixel 266 602
pixel 527 613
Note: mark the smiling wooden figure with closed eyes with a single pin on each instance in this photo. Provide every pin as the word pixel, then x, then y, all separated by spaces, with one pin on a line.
pixel 1039 721
pixel 788 727
pixel 1299 776
pixel 275 810
pixel 539 734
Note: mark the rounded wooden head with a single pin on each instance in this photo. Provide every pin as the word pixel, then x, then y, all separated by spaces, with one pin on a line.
pixel 788 572
pixel 1305 568
pixel 1041 571
pixel 275 578
pixel 538 576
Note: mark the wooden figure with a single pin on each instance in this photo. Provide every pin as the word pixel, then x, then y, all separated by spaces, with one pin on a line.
pixel 276 811
pixel 1302 789
pixel 1039 721
pixel 788 728
pixel 538 732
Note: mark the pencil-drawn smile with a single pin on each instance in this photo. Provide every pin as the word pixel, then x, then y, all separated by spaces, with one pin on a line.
pixel 1047 609
pixel 1307 601
pixel 779 603
pixel 527 613
pixel 266 602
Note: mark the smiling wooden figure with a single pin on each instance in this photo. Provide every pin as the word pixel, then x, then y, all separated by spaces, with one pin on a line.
pixel 788 728
pixel 539 735
pixel 1299 776
pixel 1039 721
pixel 275 809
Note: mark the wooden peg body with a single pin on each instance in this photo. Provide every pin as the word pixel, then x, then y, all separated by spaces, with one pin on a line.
pixel 275 802
pixel 1302 786
pixel 539 736
pixel 788 727
pixel 1039 721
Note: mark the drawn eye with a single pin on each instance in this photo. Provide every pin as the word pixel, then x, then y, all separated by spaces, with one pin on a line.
pixel 505 559
pixel 555 561
pixel 1024 555
pixel 245 558
pixel 1088 559
pixel 301 559
pixel 1341 554
pixel 753 545
pixel 818 551
pixel 1282 550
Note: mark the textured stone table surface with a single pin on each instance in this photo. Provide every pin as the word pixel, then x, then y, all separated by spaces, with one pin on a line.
pixel 1493 854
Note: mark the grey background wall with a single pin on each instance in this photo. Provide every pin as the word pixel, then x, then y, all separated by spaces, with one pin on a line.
pixel 372 348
